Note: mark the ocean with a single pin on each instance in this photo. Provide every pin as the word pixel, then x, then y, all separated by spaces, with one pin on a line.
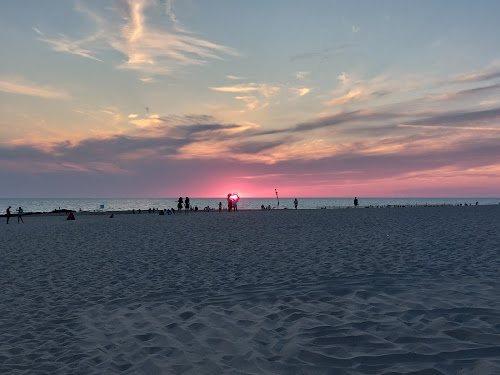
pixel 126 204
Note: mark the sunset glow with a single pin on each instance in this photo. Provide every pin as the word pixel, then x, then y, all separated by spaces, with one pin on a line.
pixel 150 98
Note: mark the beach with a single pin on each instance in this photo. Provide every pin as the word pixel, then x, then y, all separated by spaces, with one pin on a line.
pixel 349 291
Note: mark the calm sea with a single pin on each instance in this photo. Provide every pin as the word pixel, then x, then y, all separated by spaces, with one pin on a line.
pixel 121 204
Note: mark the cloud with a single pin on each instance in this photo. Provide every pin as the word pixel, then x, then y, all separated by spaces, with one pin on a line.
pixel 22 87
pixel 70 46
pixel 199 145
pixel 158 51
pixel 251 102
pixel 479 76
pixel 460 117
pixel 169 10
pixel 343 78
pixel 355 90
pixel 345 118
pixel 301 91
pixel 448 127
pixel 488 103
pixel 415 138
pixel 148 49
pixel 302 75
pixel 380 123
pixel 234 77
pixel 262 89
pixel 357 94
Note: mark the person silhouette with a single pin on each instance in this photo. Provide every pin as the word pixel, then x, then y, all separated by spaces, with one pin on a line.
pixel 180 203
pixel 20 214
pixel 295 203
pixel 8 214
pixel 356 202
pixel 186 205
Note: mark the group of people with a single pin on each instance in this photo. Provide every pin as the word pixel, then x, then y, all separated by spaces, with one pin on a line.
pixel 232 205
pixel 232 202
pixel 183 202
pixel 19 214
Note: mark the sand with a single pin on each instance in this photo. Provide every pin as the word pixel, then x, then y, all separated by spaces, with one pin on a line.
pixel 353 291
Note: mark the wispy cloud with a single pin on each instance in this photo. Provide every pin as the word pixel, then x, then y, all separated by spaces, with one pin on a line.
pixel 169 10
pixel 461 117
pixel 70 46
pixel 343 78
pixel 357 94
pixel 236 78
pixel 490 73
pixel 251 102
pixel 37 31
pixel 300 91
pixel 21 87
pixel 262 88
pixel 448 127
pixel 302 74
pixel 473 92
pixel 148 49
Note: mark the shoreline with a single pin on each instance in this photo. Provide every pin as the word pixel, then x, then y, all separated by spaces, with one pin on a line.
pixel 62 212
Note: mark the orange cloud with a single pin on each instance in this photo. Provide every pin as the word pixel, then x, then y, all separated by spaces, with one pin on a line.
pixel 357 94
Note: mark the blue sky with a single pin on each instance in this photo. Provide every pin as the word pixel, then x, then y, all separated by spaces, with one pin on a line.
pixel 324 98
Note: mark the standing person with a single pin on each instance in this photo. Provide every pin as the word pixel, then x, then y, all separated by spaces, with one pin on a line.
pixel 8 214
pixel 20 214
pixel 220 206
pixel 295 203
pixel 180 203
pixel 186 205
pixel 229 203
pixel 356 202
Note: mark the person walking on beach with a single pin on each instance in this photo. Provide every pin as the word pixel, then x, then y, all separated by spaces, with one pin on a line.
pixel 180 203
pixel 8 214
pixel 295 203
pixel 356 202
pixel 186 205
pixel 20 214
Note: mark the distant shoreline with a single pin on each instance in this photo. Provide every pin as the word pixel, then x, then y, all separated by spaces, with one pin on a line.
pixel 64 212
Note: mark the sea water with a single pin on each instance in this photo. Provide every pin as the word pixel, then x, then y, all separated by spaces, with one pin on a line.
pixel 128 204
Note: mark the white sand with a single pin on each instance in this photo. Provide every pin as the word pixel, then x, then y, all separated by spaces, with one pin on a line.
pixel 365 291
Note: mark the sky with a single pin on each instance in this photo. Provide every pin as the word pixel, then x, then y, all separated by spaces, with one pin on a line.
pixel 324 98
